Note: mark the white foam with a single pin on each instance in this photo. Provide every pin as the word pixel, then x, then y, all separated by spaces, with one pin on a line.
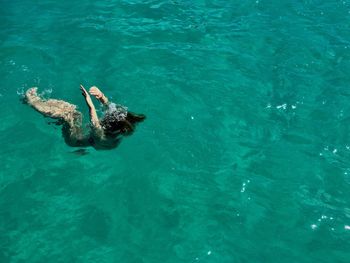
pixel 117 111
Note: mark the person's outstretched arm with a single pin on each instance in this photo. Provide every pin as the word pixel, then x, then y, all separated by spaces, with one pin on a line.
pixel 95 91
pixel 93 115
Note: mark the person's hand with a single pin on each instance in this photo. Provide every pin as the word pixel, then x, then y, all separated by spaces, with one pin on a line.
pixel 94 91
pixel 86 95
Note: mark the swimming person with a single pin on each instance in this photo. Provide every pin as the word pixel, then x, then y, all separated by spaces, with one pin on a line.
pixel 105 133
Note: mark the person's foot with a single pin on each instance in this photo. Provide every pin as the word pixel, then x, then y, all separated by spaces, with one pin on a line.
pixel 32 91
pixel 32 95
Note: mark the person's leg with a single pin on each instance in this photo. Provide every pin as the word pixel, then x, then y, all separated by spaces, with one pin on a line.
pixel 50 108
pixel 59 109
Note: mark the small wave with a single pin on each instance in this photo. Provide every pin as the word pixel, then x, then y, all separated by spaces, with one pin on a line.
pixel 46 93
pixel 20 91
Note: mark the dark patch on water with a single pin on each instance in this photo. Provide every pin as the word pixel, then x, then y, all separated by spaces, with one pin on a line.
pixel 80 152
pixel 96 223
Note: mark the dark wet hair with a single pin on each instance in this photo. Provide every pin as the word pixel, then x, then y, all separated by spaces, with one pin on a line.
pixel 114 127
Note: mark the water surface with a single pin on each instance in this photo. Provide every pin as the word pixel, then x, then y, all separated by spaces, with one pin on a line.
pixel 244 156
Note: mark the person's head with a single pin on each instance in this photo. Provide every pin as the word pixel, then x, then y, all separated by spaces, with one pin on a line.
pixel 114 126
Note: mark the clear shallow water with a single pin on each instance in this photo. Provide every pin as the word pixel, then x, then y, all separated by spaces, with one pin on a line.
pixel 244 157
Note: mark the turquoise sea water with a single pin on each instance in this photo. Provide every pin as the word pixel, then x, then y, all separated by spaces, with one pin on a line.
pixel 244 156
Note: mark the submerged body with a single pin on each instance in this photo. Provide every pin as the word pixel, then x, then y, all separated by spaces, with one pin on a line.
pixel 105 133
